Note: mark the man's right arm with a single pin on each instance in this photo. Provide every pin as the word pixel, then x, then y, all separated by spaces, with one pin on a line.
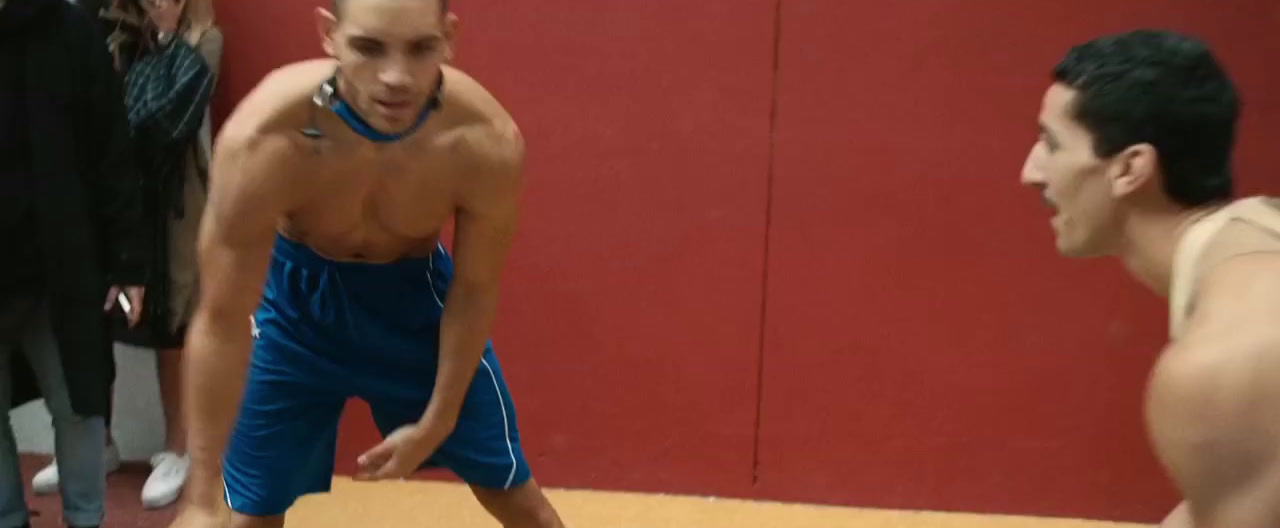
pixel 247 196
pixel 1212 396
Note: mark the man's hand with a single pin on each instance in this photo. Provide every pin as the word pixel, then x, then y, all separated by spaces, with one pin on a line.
pixel 403 451
pixel 134 294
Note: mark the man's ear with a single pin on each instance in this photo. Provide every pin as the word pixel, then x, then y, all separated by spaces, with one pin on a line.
pixel 326 23
pixel 450 35
pixel 1134 169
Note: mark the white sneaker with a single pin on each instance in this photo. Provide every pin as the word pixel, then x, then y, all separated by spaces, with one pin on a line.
pixel 46 480
pixel 168 475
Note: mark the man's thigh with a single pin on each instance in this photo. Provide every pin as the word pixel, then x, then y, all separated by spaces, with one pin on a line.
pixel 484 448
pixel 282 446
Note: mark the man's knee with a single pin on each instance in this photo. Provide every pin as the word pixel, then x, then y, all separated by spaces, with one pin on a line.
pixel 246 521
pixel 523 506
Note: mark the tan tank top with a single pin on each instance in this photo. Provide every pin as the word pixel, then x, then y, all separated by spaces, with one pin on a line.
pixel 1260 212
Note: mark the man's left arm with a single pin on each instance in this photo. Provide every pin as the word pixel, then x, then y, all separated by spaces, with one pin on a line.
pixel 1213 397
pixel 485 227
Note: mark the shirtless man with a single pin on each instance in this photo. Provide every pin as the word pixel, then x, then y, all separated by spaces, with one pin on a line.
pixel 1134 159
pixel 333 180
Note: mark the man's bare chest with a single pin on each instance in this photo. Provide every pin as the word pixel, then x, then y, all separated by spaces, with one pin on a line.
pixel 364 204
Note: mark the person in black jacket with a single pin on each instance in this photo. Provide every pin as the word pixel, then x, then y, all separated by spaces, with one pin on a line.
pixel 74 241
pixel 125 32
pixel 168 52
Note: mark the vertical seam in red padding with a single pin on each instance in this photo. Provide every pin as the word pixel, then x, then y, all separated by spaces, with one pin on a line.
pixel 768 228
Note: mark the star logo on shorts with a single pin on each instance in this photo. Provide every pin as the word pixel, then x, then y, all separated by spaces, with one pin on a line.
pixel 253 328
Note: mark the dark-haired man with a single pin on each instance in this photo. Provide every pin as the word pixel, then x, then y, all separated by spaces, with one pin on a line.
pixel 1134 161
pixel 333 180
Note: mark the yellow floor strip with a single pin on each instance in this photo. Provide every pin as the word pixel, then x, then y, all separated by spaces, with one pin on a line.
pixel 445 505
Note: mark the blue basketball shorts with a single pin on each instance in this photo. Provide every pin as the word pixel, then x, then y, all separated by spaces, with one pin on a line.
pixel 327 331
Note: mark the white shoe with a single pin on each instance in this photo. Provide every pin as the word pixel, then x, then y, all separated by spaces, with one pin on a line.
pixel 46 480
pixel 168 475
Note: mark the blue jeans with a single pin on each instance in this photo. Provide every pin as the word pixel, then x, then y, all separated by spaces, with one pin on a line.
pixel 77 439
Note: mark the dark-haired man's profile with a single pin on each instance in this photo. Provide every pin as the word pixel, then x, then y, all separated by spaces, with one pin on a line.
pixel 1134 162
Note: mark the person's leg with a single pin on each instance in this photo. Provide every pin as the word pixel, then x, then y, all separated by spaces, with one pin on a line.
pixel 169 467
pixel 523 506
pixel 184 279
pixel 520 502
pixel 107 441
pixel 13 506
pixel 45 481
pixel 77 439
pixel 484 448
pixel 111 453
pixel 283 444
pixel 169 371
pixel 245 521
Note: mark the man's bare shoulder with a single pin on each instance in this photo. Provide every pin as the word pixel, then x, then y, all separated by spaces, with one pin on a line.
pixel 262 135
pixel 493 149
pixel 1224 371
pixel 470 98
pixel 482 137
pixel 281 103
pixel 1238 298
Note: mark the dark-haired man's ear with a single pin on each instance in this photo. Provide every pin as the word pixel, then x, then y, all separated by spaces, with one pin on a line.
pixel 1134 169
pixel 326 23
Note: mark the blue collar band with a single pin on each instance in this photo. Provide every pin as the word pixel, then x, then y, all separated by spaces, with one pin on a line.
pixel 352 118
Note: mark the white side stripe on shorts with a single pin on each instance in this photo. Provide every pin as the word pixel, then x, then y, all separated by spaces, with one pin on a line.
pixel 506 424
pixel 226 493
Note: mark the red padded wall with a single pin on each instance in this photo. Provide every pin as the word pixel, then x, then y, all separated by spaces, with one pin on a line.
pixel 990 375
pixel 925 346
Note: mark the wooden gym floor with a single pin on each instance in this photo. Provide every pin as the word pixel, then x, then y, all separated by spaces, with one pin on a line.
pixel 427 503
